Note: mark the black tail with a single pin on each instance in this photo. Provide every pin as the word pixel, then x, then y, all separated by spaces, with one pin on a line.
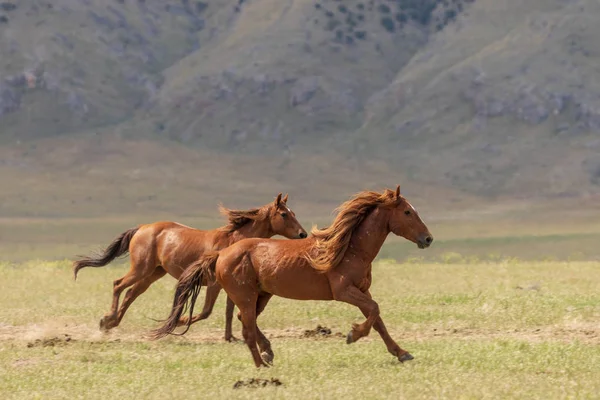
pixel 186 294
pixel 117 248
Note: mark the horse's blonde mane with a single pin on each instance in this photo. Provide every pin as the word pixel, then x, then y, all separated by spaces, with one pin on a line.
pixel 332 242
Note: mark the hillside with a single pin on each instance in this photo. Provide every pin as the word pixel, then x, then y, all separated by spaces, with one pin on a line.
pixel 505 101
pixel 147 104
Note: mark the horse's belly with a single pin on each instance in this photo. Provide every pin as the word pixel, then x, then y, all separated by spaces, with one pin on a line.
pixel 299 283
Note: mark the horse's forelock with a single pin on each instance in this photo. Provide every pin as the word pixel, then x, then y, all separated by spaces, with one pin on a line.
pixel 238 218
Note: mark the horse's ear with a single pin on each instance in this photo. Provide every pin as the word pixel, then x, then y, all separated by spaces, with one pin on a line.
pixel 285 198
pixel 278 200
pixel 398 192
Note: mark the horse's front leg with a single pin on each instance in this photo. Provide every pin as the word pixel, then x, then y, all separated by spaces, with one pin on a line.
pixel 352 295
pixel 392 346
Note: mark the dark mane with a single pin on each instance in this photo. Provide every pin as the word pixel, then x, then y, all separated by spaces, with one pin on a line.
pixel 239 218
pixel 332 242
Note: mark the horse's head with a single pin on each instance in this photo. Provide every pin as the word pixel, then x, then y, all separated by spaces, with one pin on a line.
pixel 405 221
pixel 284 222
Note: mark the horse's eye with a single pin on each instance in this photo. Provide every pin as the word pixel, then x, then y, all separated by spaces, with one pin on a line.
pixel 407 212
pixel 284 215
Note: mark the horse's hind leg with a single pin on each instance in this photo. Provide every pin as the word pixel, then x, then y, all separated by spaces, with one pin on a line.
pixel 212 293
pixel 263 343
pixel 109 320
pixel 247 303
pixel 138 271
pixel 137 289
pixel 228 321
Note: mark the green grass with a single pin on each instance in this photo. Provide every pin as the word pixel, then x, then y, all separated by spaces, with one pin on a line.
pixel 486 330
pixel 572 246
pixel 448 369
pixel 478 233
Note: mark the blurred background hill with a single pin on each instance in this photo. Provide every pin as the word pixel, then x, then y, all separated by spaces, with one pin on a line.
pixel 139 110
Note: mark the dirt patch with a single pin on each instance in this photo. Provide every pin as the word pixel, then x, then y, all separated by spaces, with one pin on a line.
pixel 56 334
pixel 21 362
pixel 535 286
pixel 320 332
pixel 587 333
pixel 51 342
pixel 257 383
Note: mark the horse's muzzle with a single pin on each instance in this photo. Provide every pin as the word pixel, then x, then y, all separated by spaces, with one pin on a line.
pixel 425 241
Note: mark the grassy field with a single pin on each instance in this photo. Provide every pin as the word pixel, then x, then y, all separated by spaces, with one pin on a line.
pixel 468 233
pixel 502 329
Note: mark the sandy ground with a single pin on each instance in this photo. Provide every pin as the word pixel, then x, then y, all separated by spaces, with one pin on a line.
pixel 57 332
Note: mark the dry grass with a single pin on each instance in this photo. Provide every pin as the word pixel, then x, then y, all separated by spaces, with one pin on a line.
pixel 468 231
pixel 492 330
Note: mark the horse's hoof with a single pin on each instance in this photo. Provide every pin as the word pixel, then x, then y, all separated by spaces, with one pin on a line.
pixel 233 339
pixel 405 357
pixel 349 338
pixel 107 323
pixel 267 357
pixel 104 325
pixel 263 365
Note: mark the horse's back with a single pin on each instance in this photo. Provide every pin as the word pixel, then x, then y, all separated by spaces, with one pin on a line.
pixel 281 267
pixel 152 234
pixel 162 225
pixel 271 248
pixel 171 245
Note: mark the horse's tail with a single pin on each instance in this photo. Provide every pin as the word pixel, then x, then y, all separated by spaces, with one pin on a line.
pixel 117 248
pixel 187 291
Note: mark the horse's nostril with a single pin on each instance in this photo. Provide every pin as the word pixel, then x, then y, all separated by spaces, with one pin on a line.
pixel 302 235
pixel 428 239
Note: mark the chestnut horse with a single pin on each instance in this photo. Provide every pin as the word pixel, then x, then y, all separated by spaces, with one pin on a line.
pixel 332 264
pixel 164 247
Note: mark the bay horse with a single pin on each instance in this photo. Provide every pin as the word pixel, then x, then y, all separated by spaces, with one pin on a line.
pixel 167 247
pixel 332 264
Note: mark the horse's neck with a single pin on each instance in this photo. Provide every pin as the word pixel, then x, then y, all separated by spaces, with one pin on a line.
pixel 254 229
pixel 369 236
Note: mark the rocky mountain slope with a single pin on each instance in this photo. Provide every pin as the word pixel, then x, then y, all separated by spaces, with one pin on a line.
pixel 479 97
